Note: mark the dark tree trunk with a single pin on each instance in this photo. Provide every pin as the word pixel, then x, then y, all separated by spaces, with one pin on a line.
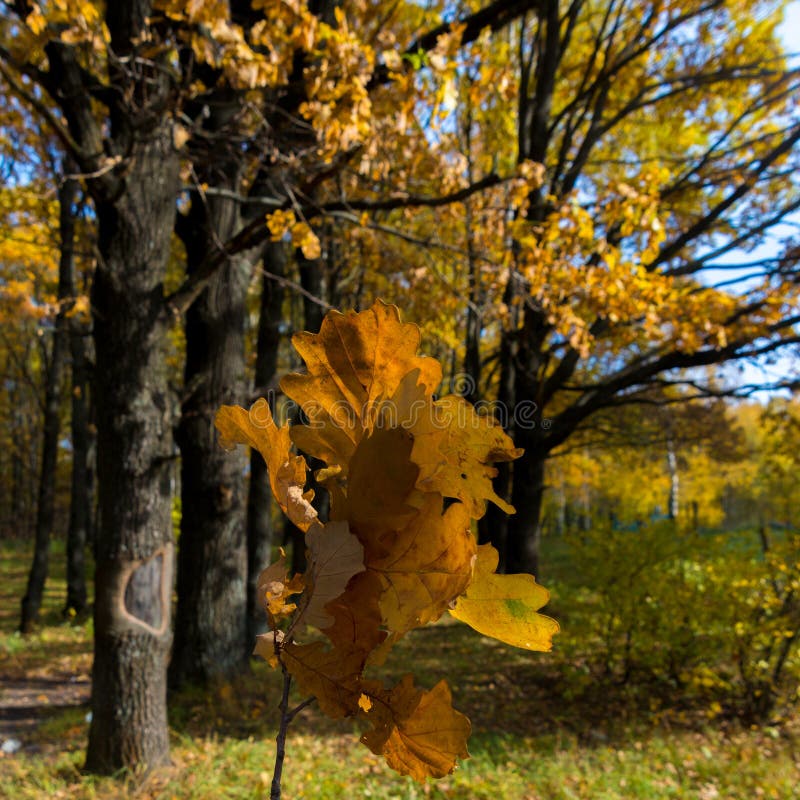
pixel 673 501
pixel 525 527
pixel 80 498
pixel 493 526
pixel 524 345
pixel 211 617
pixel 54 364
pixel 259 497
pixel 133 578
pixel 312 281
pixel 18 521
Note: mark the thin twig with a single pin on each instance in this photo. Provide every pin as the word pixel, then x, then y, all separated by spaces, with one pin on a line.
pixel 280 739
pixel 287 715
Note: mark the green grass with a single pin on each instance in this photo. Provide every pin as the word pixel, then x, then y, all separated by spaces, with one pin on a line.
pixel 543 725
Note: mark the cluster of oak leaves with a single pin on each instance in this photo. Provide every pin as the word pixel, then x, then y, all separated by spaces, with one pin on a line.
pixel 406 474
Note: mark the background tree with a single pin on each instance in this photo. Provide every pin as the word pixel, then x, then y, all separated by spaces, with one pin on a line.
pixel 145 68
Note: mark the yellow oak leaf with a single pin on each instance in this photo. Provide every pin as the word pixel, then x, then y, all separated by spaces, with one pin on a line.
pixel 504 606
pixel 287 472
pixel 426 565
pixel 364 703
pixel 454 446
pixel 418 732
pixel 334 556
pixel 305 238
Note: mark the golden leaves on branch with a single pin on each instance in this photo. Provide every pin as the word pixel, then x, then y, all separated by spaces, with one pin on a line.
pixel 408 475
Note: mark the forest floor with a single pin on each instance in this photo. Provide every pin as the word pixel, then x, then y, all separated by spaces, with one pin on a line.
pixel 543 727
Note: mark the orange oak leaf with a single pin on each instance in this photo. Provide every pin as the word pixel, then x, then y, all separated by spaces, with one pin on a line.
pixel 330 675
pixel 425 566
pixel 287 472
pixel 455 448
pixel 357 616
pixel 275 588
pixel 381 482
pixel 355 361
pixel 417 731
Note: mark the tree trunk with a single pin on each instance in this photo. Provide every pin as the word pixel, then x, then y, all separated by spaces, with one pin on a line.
pixel 312 281
pixel 211 618
pixel 80 498
pixel 54 364
pixel 133 578
pixel 673 504
pixel 259 497
pixel 525 527
pixel 493 526
pixel 18 520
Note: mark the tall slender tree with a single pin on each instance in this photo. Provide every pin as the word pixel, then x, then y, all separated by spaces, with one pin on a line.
pixel 54 359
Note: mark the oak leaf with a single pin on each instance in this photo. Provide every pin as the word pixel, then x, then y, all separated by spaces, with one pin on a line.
pixel 505 606
pixel 418 732
pixel 275 588
pixel 455 448
pixel 331 675
pixel 425 566
pixel 356 360
pixel 357 616
pixel 287 472
pixel 334 556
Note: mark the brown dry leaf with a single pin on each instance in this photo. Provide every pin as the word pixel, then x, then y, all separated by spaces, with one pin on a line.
pixel 355 361
pixel 267 645
pixel 334 556
pixel 274 589
pixel 504 606
pixel 381 481
pixel 357 617
pixel 426 565
pixel 418 732
pixel 332 676
pixel 287 472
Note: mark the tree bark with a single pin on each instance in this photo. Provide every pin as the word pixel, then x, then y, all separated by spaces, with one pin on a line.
pixel 54 365
pixel 80 497
pixel 211 619
pixel 19 520
pixel 259 496
pixel 524 527
pixel 312 281
pixel 133 578
pixel 493 526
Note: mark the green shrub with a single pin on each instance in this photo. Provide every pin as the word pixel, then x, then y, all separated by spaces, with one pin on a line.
pixel 718 616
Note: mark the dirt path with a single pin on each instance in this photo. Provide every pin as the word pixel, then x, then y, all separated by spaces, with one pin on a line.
pixel 26 702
